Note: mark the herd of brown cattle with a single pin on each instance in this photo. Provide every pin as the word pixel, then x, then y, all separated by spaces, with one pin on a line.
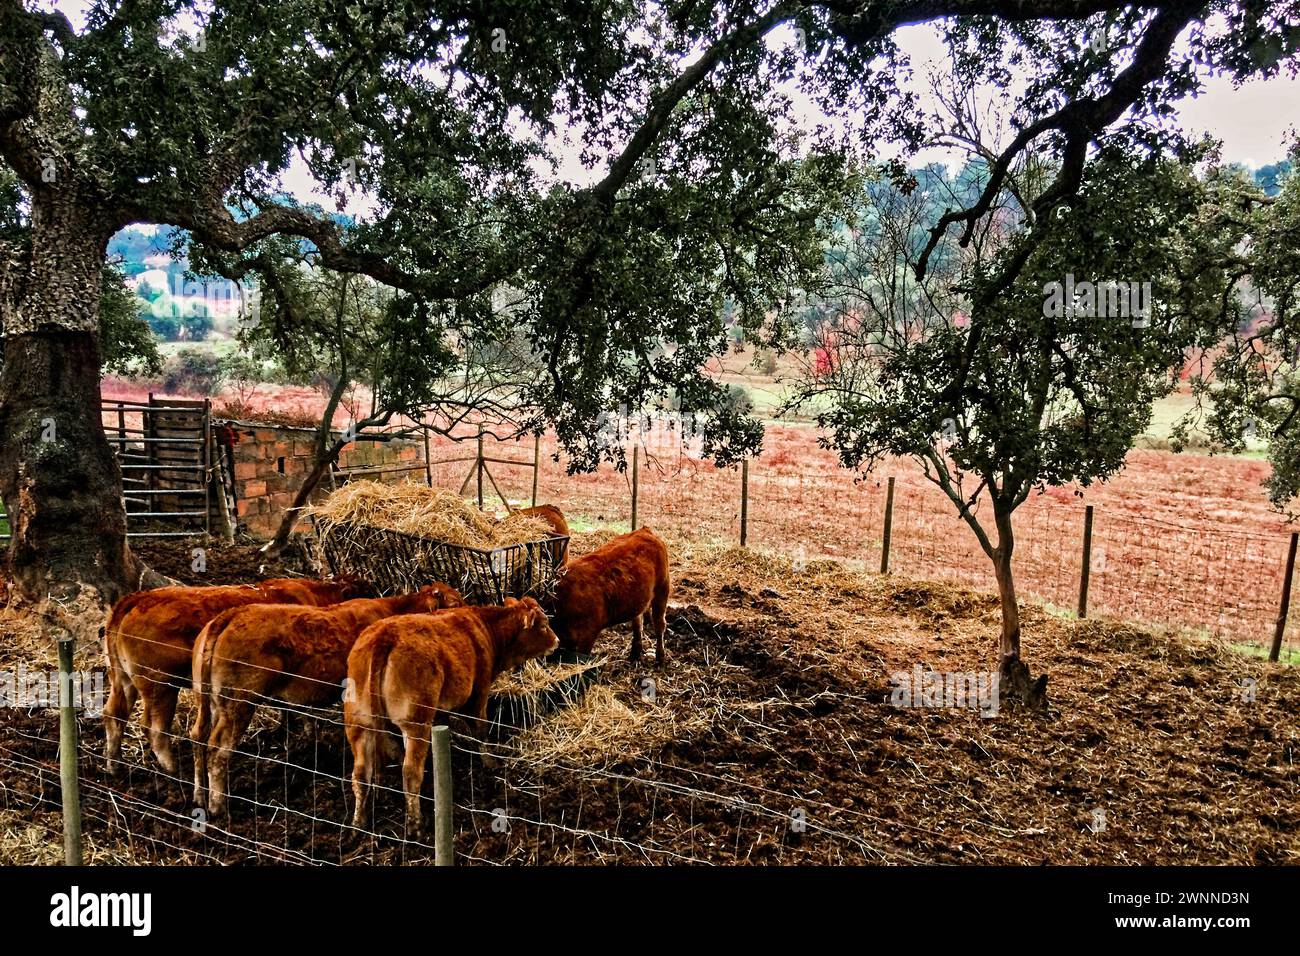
pixel 398 662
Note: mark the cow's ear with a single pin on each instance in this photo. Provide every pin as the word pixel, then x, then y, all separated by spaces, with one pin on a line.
pixel 511 602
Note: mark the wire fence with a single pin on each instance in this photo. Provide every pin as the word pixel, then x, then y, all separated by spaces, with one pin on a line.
pixel 290 798
pixel 290 791
pixel 1219 574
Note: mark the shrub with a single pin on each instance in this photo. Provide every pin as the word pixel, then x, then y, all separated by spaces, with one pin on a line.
pixel 192 372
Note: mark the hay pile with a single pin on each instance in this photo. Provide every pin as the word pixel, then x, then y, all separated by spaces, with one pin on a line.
pixel 433 513
pixel 534 677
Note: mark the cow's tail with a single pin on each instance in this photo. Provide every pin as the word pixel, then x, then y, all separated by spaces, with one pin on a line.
pixel 364 716
pixel 201 683
pixel 112 629
pixel 369 691
pixel 121 696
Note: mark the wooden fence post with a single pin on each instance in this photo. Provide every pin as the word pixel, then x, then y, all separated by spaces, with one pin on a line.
pixel 537 463
pixel 744 502
pixel 443 853
pixel 207 468
pixel 478 466
pixel 889 528
pixel 1280 631
pixel 428 465
pixel 1086 572
pixel 636 457
pixel 69 784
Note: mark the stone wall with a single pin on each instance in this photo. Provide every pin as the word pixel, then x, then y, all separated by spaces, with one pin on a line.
pixel 266 465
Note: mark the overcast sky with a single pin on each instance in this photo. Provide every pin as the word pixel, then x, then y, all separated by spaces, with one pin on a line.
pixel 1254 121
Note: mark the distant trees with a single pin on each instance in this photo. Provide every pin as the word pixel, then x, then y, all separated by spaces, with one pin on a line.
pixel 127 340
pixel 1248 386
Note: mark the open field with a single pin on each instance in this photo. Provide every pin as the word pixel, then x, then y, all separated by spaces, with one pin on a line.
pixel 774 707
pixel 1186 539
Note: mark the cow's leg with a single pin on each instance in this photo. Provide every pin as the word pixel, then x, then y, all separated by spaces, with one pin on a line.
pixel 232 718
pixel 200 733
pixel 362 741
pixel 475 714
pixel 117 711
pixel 659 617
pixel 416 737
pixel 160 700
pixel 635 653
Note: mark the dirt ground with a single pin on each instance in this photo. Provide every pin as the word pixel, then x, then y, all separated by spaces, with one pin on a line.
pixel 768 737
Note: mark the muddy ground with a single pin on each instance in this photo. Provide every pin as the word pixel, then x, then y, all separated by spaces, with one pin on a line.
pixel 768 737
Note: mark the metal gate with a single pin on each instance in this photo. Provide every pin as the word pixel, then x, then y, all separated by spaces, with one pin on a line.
pixel 164 447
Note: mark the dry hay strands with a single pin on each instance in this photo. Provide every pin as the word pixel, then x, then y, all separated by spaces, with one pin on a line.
pixel 608 725
pixel 407 507
pixel 523 696
pixel 433 513
pixel 516 528
pixel 601 729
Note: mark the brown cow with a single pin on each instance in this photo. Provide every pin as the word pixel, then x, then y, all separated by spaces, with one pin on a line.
pixel 622 581
pixel 405 670
pixel 555 518
pixel 298 655
pixel 149 637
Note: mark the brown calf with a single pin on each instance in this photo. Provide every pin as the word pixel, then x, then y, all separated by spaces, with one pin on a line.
pixel 298 655
pixel 622 581
pixel 149 637
pixel 405 670
pixel 555 518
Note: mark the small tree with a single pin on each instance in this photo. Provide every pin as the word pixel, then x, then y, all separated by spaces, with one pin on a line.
pixel 1043 382
pixel 339 331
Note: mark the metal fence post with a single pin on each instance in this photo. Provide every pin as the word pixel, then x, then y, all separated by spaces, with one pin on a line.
pixel 1086 573
pixel 744 502
pixel 889 528
pixel 636 456
pixel 1280 631
pixel 68 781
pixel 443 854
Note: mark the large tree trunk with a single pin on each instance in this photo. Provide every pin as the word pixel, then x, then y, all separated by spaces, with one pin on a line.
pixel 58 476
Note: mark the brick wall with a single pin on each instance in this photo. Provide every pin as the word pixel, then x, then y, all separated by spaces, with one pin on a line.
pixel 270 463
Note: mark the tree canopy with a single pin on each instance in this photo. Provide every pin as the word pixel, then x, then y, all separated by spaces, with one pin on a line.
pixel 709 180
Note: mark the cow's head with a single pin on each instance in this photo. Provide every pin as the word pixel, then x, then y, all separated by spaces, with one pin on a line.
pixel 531 637
pixel 435 597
